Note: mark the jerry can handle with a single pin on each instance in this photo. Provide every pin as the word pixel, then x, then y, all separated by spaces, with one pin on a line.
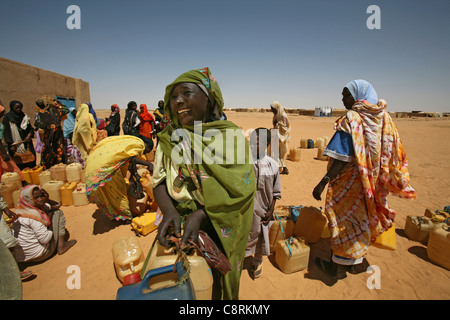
pixel 145 283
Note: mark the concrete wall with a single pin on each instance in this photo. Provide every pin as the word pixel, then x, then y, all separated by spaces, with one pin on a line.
pixel 19 81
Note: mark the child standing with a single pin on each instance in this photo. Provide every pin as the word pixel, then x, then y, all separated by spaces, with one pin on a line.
pixel 268 191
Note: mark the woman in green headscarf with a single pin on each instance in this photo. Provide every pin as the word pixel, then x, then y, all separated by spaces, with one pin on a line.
pixel 203 192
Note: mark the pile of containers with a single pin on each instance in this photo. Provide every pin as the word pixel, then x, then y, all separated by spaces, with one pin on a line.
pixel 432 230
pixel 289 240
pixel 64 183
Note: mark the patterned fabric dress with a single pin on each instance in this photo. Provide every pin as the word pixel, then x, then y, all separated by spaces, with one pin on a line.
pixel 356 202
pixel 49 120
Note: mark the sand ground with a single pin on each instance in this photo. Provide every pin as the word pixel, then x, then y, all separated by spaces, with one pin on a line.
pixel 405 273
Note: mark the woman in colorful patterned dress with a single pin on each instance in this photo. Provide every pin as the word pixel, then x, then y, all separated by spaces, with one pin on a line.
pixel 106 167
pixel 50 115
pixel 367 162
pixel 209 195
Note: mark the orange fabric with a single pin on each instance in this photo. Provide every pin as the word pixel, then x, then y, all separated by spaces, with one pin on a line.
pixel 145 127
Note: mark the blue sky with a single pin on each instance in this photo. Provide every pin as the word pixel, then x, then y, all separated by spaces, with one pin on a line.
pixel 301 53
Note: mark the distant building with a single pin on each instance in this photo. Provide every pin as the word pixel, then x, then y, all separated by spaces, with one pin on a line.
pixel 19 81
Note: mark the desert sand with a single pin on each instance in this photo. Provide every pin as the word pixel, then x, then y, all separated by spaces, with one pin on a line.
pixel 405 273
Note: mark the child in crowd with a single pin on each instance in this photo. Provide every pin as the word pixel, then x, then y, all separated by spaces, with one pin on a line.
pixel 267 193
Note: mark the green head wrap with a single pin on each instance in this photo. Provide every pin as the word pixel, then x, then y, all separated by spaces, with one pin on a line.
pixel 206 82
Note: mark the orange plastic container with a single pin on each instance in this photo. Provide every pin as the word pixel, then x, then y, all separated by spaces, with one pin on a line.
pixel 276 234
pixel 6 192
pixel 79 195
pixel 386 240
pixel 201 275
pixel 438 249
pixel 66 193
pixel 310 224
pixel 53 189
pixel 294 257
pixel 147 184
pixel 128 257
pixel 44 177
pixel 27 175
pixel 12 177
pixel 295 154
pixel 35 174
pixel 73 172
pixel 58 172
pixel 145 223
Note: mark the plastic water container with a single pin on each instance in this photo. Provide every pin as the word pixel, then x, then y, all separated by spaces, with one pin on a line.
pixel 144 291
pixel 6 192
pixel 200 275
pixel 145 223
pixel 276 233
pixel 58 172
pixel 294 257
pixel 27 175
pixel 438 249
pixel 295 154
pixel 326 140
pixel 44 177
pixel 16 197
pixel 320 156
pixel 310 224
pixel 79 195
pixel 147 181
pixel 53 187
pixel 12 177
pixel 73 172
pixel 138 206
pixel 418 228
pixel 66 193
pixel 35 174
pixel 304 143
pixel 128 257
pixel 310 144
pixel 320 143
pixel 386 240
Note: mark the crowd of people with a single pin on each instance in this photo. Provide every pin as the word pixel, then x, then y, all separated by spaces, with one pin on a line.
pixel 232 203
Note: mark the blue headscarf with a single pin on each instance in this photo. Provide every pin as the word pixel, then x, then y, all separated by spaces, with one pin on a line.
pixel 92 111
pixel 362 90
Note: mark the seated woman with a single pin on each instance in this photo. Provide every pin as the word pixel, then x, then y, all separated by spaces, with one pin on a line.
pixel 213 196
pixel 40 228
pixel 106 167
pixel 18 136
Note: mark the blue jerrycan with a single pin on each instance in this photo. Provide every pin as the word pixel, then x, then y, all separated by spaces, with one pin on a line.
pixel 142 290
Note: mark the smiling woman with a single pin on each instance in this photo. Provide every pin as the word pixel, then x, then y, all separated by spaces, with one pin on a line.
pixel 212 197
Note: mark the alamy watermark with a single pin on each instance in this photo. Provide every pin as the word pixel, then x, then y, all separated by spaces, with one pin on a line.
pixel 374 21
pixel 74 20
pixel 222 147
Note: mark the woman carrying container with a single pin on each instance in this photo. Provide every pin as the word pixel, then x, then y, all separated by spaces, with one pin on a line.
pixel 367 162
pixel 18 136
pixel 213 196
pixel 106 168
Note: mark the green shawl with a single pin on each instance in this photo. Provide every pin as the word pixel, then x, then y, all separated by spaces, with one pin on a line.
pixel 228 189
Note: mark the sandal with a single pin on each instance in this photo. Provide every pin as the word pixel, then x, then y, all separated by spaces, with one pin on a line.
pixel 257 271
pixel 26 274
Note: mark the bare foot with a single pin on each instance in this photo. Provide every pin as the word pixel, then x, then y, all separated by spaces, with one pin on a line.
pixel 66 246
